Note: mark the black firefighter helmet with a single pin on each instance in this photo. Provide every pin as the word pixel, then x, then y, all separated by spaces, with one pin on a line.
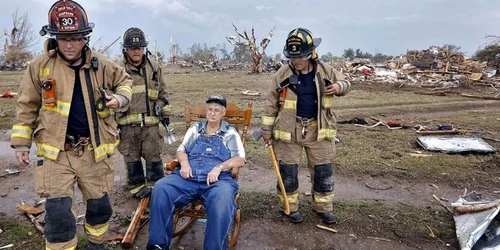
pixel 134 38
pixel 300 43
pixel 67 17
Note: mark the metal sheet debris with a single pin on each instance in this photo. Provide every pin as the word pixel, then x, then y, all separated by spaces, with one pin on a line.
pixel 455 144
pixel 477 230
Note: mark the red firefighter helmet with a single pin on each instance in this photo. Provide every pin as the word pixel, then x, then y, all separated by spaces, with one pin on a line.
pixel 67 17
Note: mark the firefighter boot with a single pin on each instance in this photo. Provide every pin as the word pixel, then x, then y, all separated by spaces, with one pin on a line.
pixel 135 174
pixel 328 218
pixel 93 246
pixel 295 217
pixel 154 171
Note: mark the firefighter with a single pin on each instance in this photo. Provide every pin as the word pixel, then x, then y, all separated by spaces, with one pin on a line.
pixel 139 125
pixel 65 106
pixel 299 116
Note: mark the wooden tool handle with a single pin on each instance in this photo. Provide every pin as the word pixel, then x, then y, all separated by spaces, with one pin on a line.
pixel 280 181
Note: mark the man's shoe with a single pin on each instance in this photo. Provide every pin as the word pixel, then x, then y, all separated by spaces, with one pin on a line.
pixel 295 217
pixel 329 218
pixel 93 246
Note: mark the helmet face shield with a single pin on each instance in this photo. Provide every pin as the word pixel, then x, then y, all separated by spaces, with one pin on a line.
pixel 67 18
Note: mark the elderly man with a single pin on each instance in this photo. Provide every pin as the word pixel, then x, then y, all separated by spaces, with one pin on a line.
pixel 209 151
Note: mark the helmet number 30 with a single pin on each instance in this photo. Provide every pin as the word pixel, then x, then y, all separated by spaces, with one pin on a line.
pixel 66 21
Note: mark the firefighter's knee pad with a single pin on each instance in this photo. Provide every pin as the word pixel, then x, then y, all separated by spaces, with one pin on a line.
pixel 154 170
pixel 289 174
pixel 98 210
pixel 60 223
pixel 323 178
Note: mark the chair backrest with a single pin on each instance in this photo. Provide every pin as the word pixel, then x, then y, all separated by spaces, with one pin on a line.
pixel 236 116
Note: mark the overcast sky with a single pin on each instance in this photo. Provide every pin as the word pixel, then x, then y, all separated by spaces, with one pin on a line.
pixel 385 26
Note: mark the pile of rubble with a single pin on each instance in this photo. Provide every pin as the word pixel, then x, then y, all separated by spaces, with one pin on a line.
pixel 434 67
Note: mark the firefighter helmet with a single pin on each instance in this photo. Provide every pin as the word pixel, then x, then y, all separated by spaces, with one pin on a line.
pixel 299 43
pixel 67 17
pixel 134 38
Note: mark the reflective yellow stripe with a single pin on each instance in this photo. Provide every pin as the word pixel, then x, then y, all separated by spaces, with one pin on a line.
pixel 282 135
pixel 97 232
pixel 137 89
pixel 137 119
pixel 124 88
pixel 323 199
pixel 71 248
pixel 61 107
pixel 19 131
pixel 105 149
pixel 153 93
pixel 327 102
pixel 44 72
pixel 165 109
pixel 103 113
pixel 326 133
pixel 290 104
pixel 292 198
pixel 268 120
pixel 47 151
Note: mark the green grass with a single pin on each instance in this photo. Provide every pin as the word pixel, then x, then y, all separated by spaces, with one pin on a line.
pixel 24 236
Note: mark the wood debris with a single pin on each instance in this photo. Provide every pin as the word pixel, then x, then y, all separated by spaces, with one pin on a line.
pixel 327 228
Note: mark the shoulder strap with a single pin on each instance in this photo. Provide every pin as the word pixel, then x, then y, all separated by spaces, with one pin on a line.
pixel 95 121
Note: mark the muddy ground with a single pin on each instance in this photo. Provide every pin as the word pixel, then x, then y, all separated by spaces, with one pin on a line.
pixel 274 231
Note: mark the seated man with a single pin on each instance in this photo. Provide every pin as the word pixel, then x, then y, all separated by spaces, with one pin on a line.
pixel 207 154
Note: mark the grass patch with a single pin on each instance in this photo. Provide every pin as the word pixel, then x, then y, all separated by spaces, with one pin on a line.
pixel 24 236
pixel 20 233
pixel 379 151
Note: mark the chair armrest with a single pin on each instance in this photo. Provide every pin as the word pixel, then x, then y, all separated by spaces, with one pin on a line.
pixel 171 165
pixel 235 171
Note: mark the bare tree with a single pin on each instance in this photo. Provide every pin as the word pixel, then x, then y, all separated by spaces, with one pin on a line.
pixel 250 42
pixel 19 40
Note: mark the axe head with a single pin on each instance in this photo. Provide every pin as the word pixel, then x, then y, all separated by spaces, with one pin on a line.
pixel 257 134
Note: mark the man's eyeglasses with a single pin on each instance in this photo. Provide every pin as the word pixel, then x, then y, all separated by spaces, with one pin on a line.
pixel 70 40
pixel 215 110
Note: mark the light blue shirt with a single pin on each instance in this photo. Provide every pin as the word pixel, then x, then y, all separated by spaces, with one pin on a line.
pixel 230 137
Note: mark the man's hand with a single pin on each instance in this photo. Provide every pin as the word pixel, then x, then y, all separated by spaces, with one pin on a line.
pixel 213 175
pixel 113 103
pixel 23 158
pixel 186 171
pixel 267 139
pixel 165 121
pixel 332 89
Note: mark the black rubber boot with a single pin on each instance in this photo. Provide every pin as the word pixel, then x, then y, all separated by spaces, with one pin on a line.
pixel 154 171
pixel 92 246
pixel 295 217
pixel 328 218
pixel 135 173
